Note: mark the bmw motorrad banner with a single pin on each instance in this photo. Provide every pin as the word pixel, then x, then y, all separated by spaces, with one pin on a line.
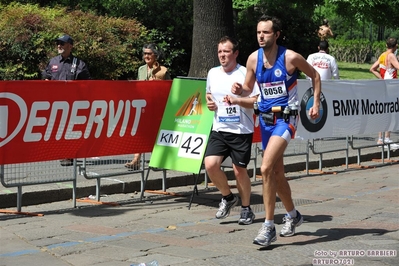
pixel 349 107
pixel 49 120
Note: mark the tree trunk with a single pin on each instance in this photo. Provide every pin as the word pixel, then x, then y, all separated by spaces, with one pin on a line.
pixel 381 31
pixel 212 20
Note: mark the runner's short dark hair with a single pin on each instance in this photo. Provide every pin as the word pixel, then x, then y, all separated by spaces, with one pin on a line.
pixel 391 42
pixel 230 39
pixel 323 45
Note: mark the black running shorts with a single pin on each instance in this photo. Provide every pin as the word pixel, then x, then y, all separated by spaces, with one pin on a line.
pixel 237 146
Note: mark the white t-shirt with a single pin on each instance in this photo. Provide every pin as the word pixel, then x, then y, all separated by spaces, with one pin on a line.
pixel 325 64
pixel 230 118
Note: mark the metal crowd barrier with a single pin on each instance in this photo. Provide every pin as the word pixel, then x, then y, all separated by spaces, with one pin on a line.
pixel 296 147
pixel 26 174
pixel 111 166
pixel 359 142
pixel 108 166
pixel 228 163
pixel 149 169
pixel 329 145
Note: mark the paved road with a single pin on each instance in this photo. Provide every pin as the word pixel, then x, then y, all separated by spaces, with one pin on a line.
pixel 349 214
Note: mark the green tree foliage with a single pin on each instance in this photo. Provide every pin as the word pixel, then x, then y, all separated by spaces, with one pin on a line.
pixel 380 12
pixel 169 23
pixel 110 46
pixel 369 17
pixel 299 30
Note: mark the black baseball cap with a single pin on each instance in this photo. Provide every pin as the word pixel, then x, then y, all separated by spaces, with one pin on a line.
pixel 65 38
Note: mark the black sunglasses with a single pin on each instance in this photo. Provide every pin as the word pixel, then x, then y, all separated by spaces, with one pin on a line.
pixel 60 43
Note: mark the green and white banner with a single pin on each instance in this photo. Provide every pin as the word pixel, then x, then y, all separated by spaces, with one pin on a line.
pixel 185 128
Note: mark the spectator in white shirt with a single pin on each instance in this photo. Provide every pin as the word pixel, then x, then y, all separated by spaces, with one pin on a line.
pixel 324 63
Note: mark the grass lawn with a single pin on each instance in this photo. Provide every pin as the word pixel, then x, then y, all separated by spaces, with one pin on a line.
pixel 355 71
pixel 352 71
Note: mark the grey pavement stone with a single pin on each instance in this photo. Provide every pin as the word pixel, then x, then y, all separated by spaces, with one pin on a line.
pixel 162 259
pixel 208 262
pixel 99 258
pixel 107 253
pixel 37 259
pixel 249 259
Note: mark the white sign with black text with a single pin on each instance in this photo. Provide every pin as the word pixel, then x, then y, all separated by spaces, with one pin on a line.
pixel 349 108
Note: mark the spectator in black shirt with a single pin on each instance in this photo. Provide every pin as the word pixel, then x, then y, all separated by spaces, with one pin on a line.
pixel 65 66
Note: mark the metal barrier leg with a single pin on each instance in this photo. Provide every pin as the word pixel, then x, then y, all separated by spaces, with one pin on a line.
pixel 307 157
pixel 143 182
pixel 382 154
pixel 164 180
pixel 321 162
pixel 74 182
pixel 206 179
pixel 255 167
pixel 255 162
pixel 19 199
pixel 259 151
pixel 347 153
pixel 19 205
pixel 98 187
pixel 74 193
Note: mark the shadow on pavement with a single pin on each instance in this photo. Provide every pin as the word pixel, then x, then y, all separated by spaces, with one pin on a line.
pixel 328 235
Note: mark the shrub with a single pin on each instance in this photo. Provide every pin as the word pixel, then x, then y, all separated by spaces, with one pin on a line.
pixel 355 51
pixel 110 46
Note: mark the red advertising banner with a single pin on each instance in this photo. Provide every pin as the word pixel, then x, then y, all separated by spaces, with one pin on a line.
pixel 49 120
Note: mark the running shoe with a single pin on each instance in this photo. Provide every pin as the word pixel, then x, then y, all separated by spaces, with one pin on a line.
pixel 290 224
pixel 225 207
pixel 266 236
pixel 246 217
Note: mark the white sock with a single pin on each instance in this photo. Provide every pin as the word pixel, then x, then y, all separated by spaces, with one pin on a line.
pixel 292 214
pixel 269 223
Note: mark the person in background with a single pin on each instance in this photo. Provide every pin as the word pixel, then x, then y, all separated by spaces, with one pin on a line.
pixel 65 66
pixel 232 130
pixel 324 63
pixel 325 31
pixel 152 70
pixel 275 69
pixel 386 67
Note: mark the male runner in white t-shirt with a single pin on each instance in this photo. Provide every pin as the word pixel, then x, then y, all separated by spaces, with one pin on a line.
pixel 232 130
